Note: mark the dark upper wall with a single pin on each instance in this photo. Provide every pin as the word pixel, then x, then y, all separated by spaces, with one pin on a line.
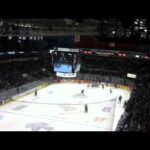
pixel 69 41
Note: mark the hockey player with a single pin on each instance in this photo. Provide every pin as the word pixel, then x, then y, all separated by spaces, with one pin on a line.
pixel 110 91
pixel 88 86
pixel 82 92
pixel 107 84
pixel 103 86
pixel 86 108
pixel 35 94
pixel 17 89
pixel 120 99
pixel 99 82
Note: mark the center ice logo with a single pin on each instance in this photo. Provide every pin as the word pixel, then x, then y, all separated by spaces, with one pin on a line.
pixel 99 119
pixel 1 117
pixel 37 126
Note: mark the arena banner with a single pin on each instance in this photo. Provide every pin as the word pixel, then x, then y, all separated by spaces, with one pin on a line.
pixel 130 75
pixel 68 49
pixel 66 75
pixel 123 87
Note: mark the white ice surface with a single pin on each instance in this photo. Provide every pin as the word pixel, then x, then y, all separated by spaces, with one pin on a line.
pixel 60 107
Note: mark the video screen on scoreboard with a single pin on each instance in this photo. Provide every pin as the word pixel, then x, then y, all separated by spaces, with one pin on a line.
pixel 66 68
pixel 77 68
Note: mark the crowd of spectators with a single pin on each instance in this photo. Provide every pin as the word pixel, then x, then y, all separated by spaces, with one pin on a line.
pixel 13 74
pixel 137 109
pixel 113 66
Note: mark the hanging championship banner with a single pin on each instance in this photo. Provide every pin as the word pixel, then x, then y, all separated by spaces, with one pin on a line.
pixel 77 38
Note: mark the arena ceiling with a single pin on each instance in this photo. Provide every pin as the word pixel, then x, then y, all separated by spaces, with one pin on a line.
pixel 107 27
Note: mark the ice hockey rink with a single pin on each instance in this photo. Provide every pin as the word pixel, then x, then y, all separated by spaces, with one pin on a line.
pixel 60 107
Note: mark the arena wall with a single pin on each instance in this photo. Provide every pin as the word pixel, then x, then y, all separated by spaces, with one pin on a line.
pixel 81 78
pixel 122 83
